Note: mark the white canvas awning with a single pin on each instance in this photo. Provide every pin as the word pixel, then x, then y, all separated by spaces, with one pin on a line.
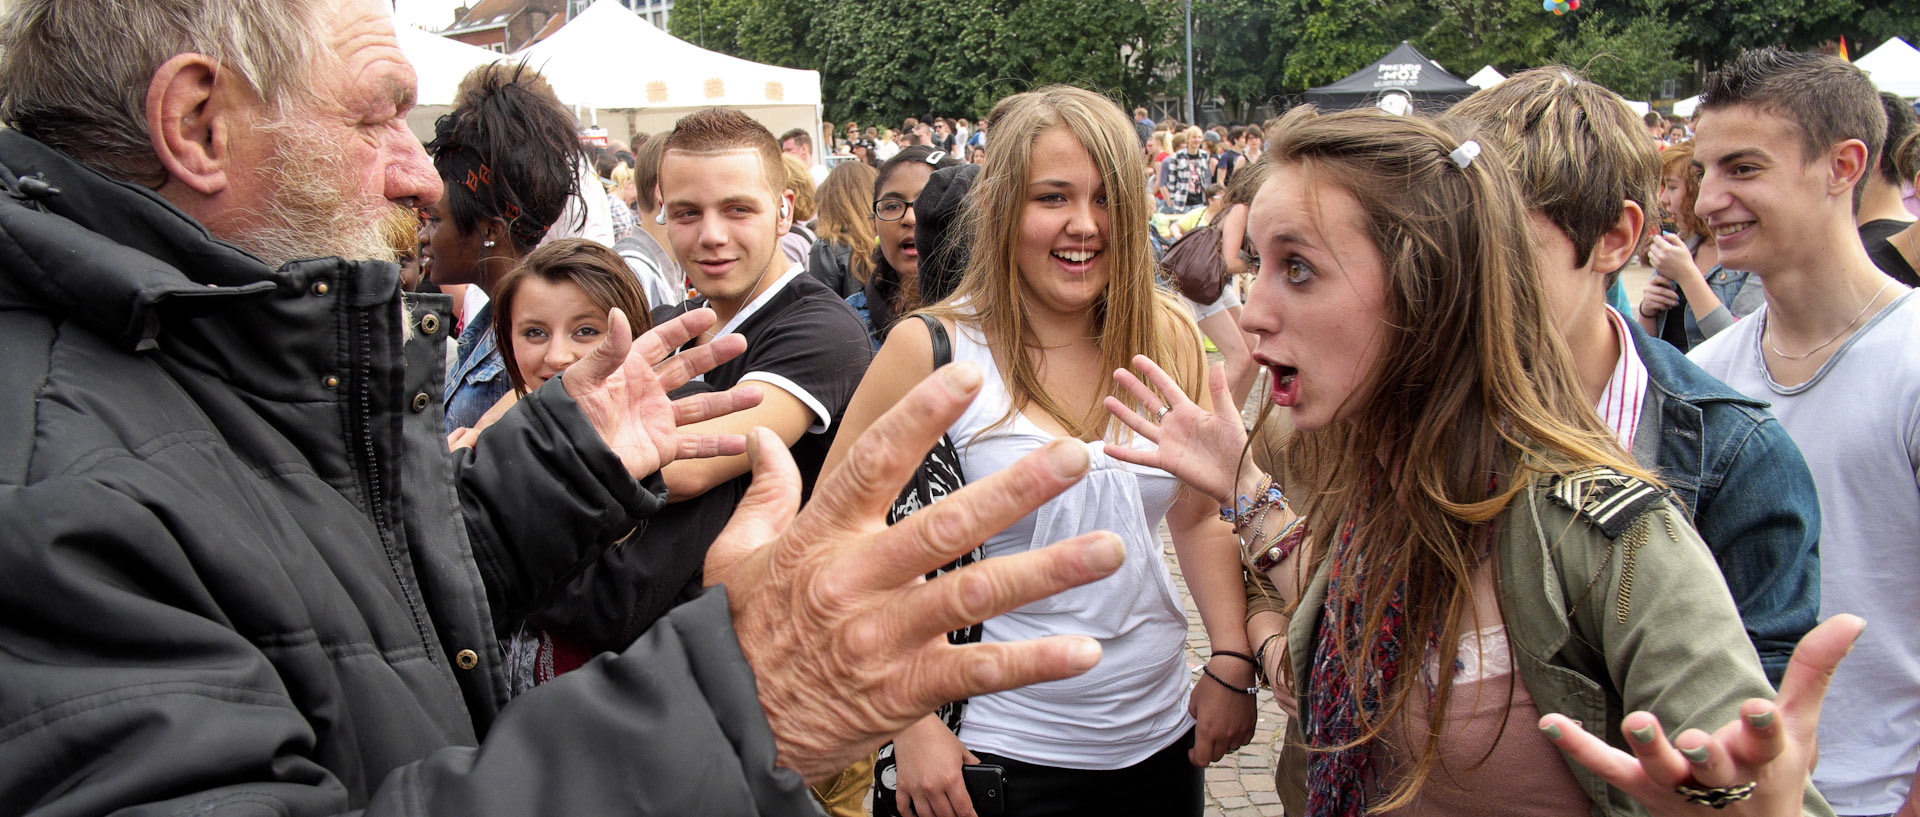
pixel 1894 67
pixel 1686 107
pixel 439 62
pixel 1486 77
pixel 607 57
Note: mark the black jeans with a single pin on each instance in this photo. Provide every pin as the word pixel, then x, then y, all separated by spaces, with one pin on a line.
pixel 1163 784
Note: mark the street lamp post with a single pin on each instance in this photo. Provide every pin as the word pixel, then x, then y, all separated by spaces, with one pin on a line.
pixel 1190 109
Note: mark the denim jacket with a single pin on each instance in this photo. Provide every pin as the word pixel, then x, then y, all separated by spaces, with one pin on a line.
pixel 1746 489
pixel 478 378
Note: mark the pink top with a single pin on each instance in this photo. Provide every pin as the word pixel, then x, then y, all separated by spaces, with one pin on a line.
pixel 1524 774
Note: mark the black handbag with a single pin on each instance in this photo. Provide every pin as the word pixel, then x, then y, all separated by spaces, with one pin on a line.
pixel 939 475
pixel 1195 264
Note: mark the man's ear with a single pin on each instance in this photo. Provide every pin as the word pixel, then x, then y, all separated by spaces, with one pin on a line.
pixel 1847 163
pixel 1618 244
pixel 783 211
pixel 192 112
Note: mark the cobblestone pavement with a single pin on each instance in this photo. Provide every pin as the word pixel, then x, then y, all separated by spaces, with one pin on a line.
pixel 1241 784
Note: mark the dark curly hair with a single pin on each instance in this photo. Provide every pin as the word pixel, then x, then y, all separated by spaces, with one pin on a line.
pixel 508 151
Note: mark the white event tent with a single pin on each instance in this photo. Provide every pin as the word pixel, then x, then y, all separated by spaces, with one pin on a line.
pixel 1894 67
pixel 608 59
pixel 1486 77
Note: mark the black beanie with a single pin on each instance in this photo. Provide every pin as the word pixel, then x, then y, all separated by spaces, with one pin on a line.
pixel 939 217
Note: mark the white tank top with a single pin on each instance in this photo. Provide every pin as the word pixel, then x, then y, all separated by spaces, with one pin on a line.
pixel 1133 703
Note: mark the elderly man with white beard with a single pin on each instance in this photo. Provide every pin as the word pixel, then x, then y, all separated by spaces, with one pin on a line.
pixel 244 574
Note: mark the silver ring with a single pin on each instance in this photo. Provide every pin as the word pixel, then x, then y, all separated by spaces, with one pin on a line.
pixel 1716 797
pixel 1162 413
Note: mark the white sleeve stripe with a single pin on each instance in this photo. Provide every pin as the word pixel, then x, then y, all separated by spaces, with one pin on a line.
pixel 825 420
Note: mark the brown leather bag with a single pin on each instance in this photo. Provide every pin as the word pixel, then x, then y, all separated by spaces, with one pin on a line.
pixel 1196 265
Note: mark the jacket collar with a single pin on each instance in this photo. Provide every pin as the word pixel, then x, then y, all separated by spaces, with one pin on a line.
pixel 1670 372
pixel 110 254
pixel 121 262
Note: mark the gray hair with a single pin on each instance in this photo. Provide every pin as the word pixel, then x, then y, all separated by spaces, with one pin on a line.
pixel 74 73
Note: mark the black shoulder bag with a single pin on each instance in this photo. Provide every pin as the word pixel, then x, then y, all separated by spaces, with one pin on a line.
pixel 938 476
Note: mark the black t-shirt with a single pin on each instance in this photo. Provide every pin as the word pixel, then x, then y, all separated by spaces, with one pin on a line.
pixel 1890 261
pixel 808 342
pixel 1876 231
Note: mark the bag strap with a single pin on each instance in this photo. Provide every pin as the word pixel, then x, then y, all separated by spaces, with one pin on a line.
pixel 942 347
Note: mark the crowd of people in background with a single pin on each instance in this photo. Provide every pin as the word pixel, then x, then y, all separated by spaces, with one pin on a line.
pixel 497 472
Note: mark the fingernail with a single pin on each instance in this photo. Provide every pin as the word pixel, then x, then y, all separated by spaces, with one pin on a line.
pixel 1642 735
pixel 753 446
pixel 1084 653
pixel 961 378
pixel 1552 730
pixel 1104 554
pixel 1760 720
pixel 1698 755
pixel 1068 458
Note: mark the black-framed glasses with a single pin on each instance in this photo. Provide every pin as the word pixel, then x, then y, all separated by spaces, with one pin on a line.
pixel 891 209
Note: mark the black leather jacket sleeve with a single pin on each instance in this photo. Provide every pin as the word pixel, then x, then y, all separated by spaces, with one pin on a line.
pixel 529 534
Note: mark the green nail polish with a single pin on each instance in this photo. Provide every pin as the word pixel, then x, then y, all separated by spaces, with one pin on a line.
pixel 1642 735
pixel 1552 730
pixel 1760 721
pixel 1697 754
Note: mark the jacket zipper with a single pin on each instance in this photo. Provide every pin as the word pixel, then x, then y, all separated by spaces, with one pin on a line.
pixel 369 467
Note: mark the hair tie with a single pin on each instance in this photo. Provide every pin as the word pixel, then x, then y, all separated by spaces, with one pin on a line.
pixel 1465 154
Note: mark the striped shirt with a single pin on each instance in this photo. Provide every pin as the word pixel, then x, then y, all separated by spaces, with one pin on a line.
pixel 1626 391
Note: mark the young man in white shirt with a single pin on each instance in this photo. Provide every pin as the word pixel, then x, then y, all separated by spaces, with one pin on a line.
pixel 1784 140
pixel 1589 177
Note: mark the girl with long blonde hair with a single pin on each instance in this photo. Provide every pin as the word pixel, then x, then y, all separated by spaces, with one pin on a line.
pixel 1058 290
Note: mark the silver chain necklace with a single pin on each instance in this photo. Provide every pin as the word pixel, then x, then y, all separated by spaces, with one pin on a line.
pixel 1764 329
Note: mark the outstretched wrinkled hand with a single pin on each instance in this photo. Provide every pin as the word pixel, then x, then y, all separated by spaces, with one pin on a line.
pixel 622 387
pixel 846 638
pixel 1203 448
pixel 1771 744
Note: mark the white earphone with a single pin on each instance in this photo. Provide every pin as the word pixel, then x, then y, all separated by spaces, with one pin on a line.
pixel 783 209
pixel 662 218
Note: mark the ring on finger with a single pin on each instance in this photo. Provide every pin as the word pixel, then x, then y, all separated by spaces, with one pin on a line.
pixel 1162 413
pixel 1715 796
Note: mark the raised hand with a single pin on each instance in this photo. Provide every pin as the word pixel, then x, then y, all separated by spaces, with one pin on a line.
pixel 1771 744
pixel 846 638
pixel 1203 448
pixel 622 387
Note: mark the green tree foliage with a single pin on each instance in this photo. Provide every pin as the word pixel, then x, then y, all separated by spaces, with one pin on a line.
pixel 883 60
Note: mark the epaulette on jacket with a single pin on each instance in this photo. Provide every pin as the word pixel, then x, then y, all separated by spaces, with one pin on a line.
pixel 1617 505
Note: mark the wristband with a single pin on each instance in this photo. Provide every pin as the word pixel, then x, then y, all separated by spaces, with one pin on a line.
pixel 1260 657
pixel 1253 690
pixel 1230 654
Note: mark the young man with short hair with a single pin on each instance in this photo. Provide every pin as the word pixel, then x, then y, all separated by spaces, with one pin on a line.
pixel 1784 140
pixel 800 143
pixel 1589 179
pixel 727 206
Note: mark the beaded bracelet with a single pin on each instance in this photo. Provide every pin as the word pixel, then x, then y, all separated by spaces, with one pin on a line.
pixel 1283 545
pixel 1252 690
pixel 1268 495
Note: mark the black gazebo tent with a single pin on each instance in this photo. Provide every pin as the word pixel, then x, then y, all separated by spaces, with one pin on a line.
pixel 1404 71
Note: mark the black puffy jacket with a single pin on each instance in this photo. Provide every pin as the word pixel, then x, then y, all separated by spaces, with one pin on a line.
pixel 242 574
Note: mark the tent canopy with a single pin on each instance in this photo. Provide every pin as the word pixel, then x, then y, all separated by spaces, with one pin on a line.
pixel 1894 67
pixel 607 57
pixel 1404 71
pixel 1486 77
pixel 439 63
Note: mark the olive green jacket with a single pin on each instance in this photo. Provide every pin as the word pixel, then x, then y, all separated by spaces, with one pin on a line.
pixel 1612 609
